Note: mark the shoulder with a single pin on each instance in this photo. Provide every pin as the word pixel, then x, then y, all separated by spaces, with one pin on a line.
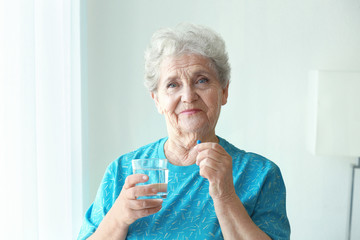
pixel 150 150
pixel 248 161
pixel 117 171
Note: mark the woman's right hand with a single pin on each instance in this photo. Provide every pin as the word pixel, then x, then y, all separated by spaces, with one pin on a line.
pixel 127 208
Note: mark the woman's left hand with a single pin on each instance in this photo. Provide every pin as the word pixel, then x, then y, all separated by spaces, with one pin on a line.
pixel 216 166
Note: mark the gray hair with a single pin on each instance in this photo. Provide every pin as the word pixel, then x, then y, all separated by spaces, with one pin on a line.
pixel 185 39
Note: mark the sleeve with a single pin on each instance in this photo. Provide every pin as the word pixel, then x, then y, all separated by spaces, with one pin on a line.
pixel 104 200
pixel 270 211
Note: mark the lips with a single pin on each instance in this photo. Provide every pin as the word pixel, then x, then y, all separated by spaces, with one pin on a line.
pixel 190 111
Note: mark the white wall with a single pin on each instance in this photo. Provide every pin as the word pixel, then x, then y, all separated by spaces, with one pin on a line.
pixel 272 46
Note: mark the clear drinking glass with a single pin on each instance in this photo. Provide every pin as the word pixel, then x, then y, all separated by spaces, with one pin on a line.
pixel 157 171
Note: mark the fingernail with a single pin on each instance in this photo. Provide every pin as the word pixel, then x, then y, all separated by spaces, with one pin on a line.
pixel 145 177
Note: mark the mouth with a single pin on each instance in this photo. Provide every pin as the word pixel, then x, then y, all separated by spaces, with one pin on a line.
pixel 190 111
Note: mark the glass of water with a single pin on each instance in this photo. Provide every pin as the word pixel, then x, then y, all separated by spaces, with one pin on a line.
pixel 157 171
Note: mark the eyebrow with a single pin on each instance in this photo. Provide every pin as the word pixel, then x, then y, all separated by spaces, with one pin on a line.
pixel 201 72
pixel 196 73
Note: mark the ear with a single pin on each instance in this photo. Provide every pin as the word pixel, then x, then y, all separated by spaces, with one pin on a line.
pixel 156 100
pixel 225 94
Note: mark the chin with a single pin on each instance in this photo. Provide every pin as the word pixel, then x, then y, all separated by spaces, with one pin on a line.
pixel 194 128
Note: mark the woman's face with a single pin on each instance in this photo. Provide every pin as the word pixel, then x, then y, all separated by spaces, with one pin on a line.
pixel 189 94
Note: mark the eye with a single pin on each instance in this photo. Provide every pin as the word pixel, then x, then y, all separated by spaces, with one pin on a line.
pixel 203 80
pixel 171 85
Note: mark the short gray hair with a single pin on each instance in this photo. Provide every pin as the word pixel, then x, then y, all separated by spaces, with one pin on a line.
pixel 185 39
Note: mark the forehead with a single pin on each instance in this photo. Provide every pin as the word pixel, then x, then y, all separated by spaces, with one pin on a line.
pixel 188 64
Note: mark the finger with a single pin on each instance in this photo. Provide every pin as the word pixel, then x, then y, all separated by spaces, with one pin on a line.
pixel 146 212
pixel 134 179
pixel 145 204
pixel 209 163
pixel 210 145
pixel 207 172
pixel 138 191
pixel 209 153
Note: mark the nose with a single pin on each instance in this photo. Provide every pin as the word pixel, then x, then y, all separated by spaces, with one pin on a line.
pixel 188 94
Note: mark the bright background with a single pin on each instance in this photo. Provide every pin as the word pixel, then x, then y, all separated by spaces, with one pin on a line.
pixel 272 47
pixel 41 161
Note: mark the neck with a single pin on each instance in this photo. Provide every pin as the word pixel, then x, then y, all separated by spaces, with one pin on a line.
pixel 179 149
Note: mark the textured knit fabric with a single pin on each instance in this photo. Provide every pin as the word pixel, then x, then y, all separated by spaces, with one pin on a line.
pixel 188 211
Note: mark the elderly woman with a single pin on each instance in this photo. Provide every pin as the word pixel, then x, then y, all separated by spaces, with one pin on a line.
pixel 215 190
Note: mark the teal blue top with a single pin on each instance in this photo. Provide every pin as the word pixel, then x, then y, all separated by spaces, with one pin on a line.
pixel 188 211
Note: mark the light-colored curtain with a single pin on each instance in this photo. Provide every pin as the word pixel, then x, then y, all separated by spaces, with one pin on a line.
pixel 40 119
